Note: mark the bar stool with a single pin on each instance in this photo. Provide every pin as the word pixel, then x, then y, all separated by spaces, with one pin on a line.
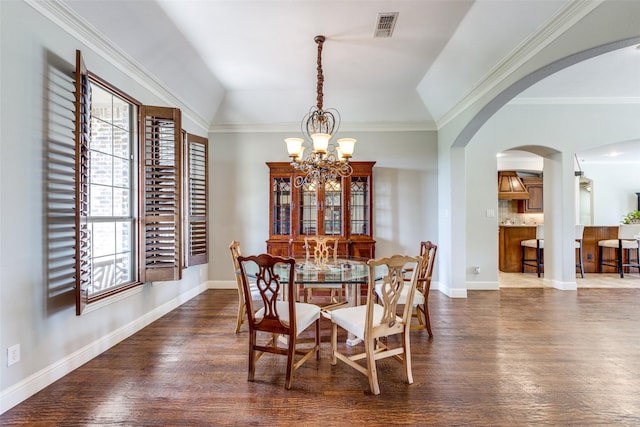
pixel 579 234
pixel 626 241
pixel 538 245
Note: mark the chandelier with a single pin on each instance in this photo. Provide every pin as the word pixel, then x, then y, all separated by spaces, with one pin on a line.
pixel 317 158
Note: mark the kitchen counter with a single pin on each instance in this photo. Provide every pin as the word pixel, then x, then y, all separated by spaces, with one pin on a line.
pixel 510 251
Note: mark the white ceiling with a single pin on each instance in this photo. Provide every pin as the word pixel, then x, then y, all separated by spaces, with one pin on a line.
pixel 252 64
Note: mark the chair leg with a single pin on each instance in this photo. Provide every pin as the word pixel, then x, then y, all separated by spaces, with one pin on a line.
pixel 522 263
pixel 581 265
pixel 372 372
pixel 318 339
pixel 291 352
pixel 620 269
pixel 538 260
pixel 422 313
pixel 406 345
pixel 427 319
pixel 241 311
pixel 599 259
pixel 334 342
pixel 252 355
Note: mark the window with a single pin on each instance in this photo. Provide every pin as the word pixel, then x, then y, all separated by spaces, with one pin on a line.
pixel 130 199
pixel 110 223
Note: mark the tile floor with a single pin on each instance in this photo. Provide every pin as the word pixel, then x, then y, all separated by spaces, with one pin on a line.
pixel 591 280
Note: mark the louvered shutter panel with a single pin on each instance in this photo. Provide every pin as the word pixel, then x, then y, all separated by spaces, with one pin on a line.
pixel 197 208
pixel 160 194
pixel 82 135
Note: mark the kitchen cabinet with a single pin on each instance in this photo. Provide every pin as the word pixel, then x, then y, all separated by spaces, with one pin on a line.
pixel 509 249
pixel 535 203
pixel 342 208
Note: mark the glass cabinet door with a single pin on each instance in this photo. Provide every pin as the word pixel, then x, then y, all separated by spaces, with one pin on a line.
pixel 333 208
pixel 308 210
pixel 281 187
pixel 360 205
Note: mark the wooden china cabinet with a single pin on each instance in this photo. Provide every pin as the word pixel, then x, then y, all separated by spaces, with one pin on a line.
pixel 341 208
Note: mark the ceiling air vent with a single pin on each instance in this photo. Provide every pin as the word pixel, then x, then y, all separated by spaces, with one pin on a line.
pixel 385 24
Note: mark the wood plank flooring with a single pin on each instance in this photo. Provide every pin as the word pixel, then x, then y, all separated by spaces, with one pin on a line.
pixel 514 357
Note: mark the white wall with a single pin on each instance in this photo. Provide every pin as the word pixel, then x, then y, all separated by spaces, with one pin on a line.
pixel 614 190
pixel 404 191
pixel 566 128
pixel 53 340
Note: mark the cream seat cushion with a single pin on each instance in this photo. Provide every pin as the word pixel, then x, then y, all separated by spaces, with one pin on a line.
pixel 353 319
pixel 532 243
pixel 306 314
pixel 613 243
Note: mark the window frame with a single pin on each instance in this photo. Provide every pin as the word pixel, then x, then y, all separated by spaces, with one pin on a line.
pixel 93 79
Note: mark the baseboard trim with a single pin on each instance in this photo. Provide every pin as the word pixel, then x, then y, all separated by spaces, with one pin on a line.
pixel 483 286
pixel 222 284
pixel 26 388
pixel 563 286
pixel 450 292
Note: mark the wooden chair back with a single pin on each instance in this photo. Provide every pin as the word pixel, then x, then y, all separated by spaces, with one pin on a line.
pixel 425 271
pixel 234 248
pixel 325 249
pixel 391 285
pixel 273 319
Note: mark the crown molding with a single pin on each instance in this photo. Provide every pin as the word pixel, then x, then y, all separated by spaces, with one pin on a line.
pixel 564 19
pixel 568 100
pixel 64 17
pixel 293 128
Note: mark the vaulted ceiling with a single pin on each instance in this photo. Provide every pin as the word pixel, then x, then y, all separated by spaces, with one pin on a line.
pixel 244 64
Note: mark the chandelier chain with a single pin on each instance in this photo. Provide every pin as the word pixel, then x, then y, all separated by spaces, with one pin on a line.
pixel 319 95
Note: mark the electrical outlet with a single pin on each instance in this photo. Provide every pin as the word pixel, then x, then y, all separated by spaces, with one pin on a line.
pixel 476 270
pixel 13 354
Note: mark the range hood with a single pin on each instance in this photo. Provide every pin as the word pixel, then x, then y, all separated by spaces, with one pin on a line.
pixel 510 186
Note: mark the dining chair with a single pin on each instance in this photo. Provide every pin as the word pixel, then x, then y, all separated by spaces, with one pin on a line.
pixel 374 321
pixel 319 252
pixel 626 242
pixel 234 248
pixel 277 317
pixel 421 298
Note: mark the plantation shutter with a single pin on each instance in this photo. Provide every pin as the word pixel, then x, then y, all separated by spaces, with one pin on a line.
pixel 82 135
pixel 197 187
pixel 160 194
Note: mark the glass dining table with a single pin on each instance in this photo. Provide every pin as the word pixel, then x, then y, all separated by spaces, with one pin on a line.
pixel 350 272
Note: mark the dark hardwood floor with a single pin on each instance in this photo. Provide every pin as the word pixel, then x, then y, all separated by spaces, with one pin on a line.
pixel 502 358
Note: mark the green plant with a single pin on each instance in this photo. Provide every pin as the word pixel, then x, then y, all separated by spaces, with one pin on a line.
pixel 631 218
